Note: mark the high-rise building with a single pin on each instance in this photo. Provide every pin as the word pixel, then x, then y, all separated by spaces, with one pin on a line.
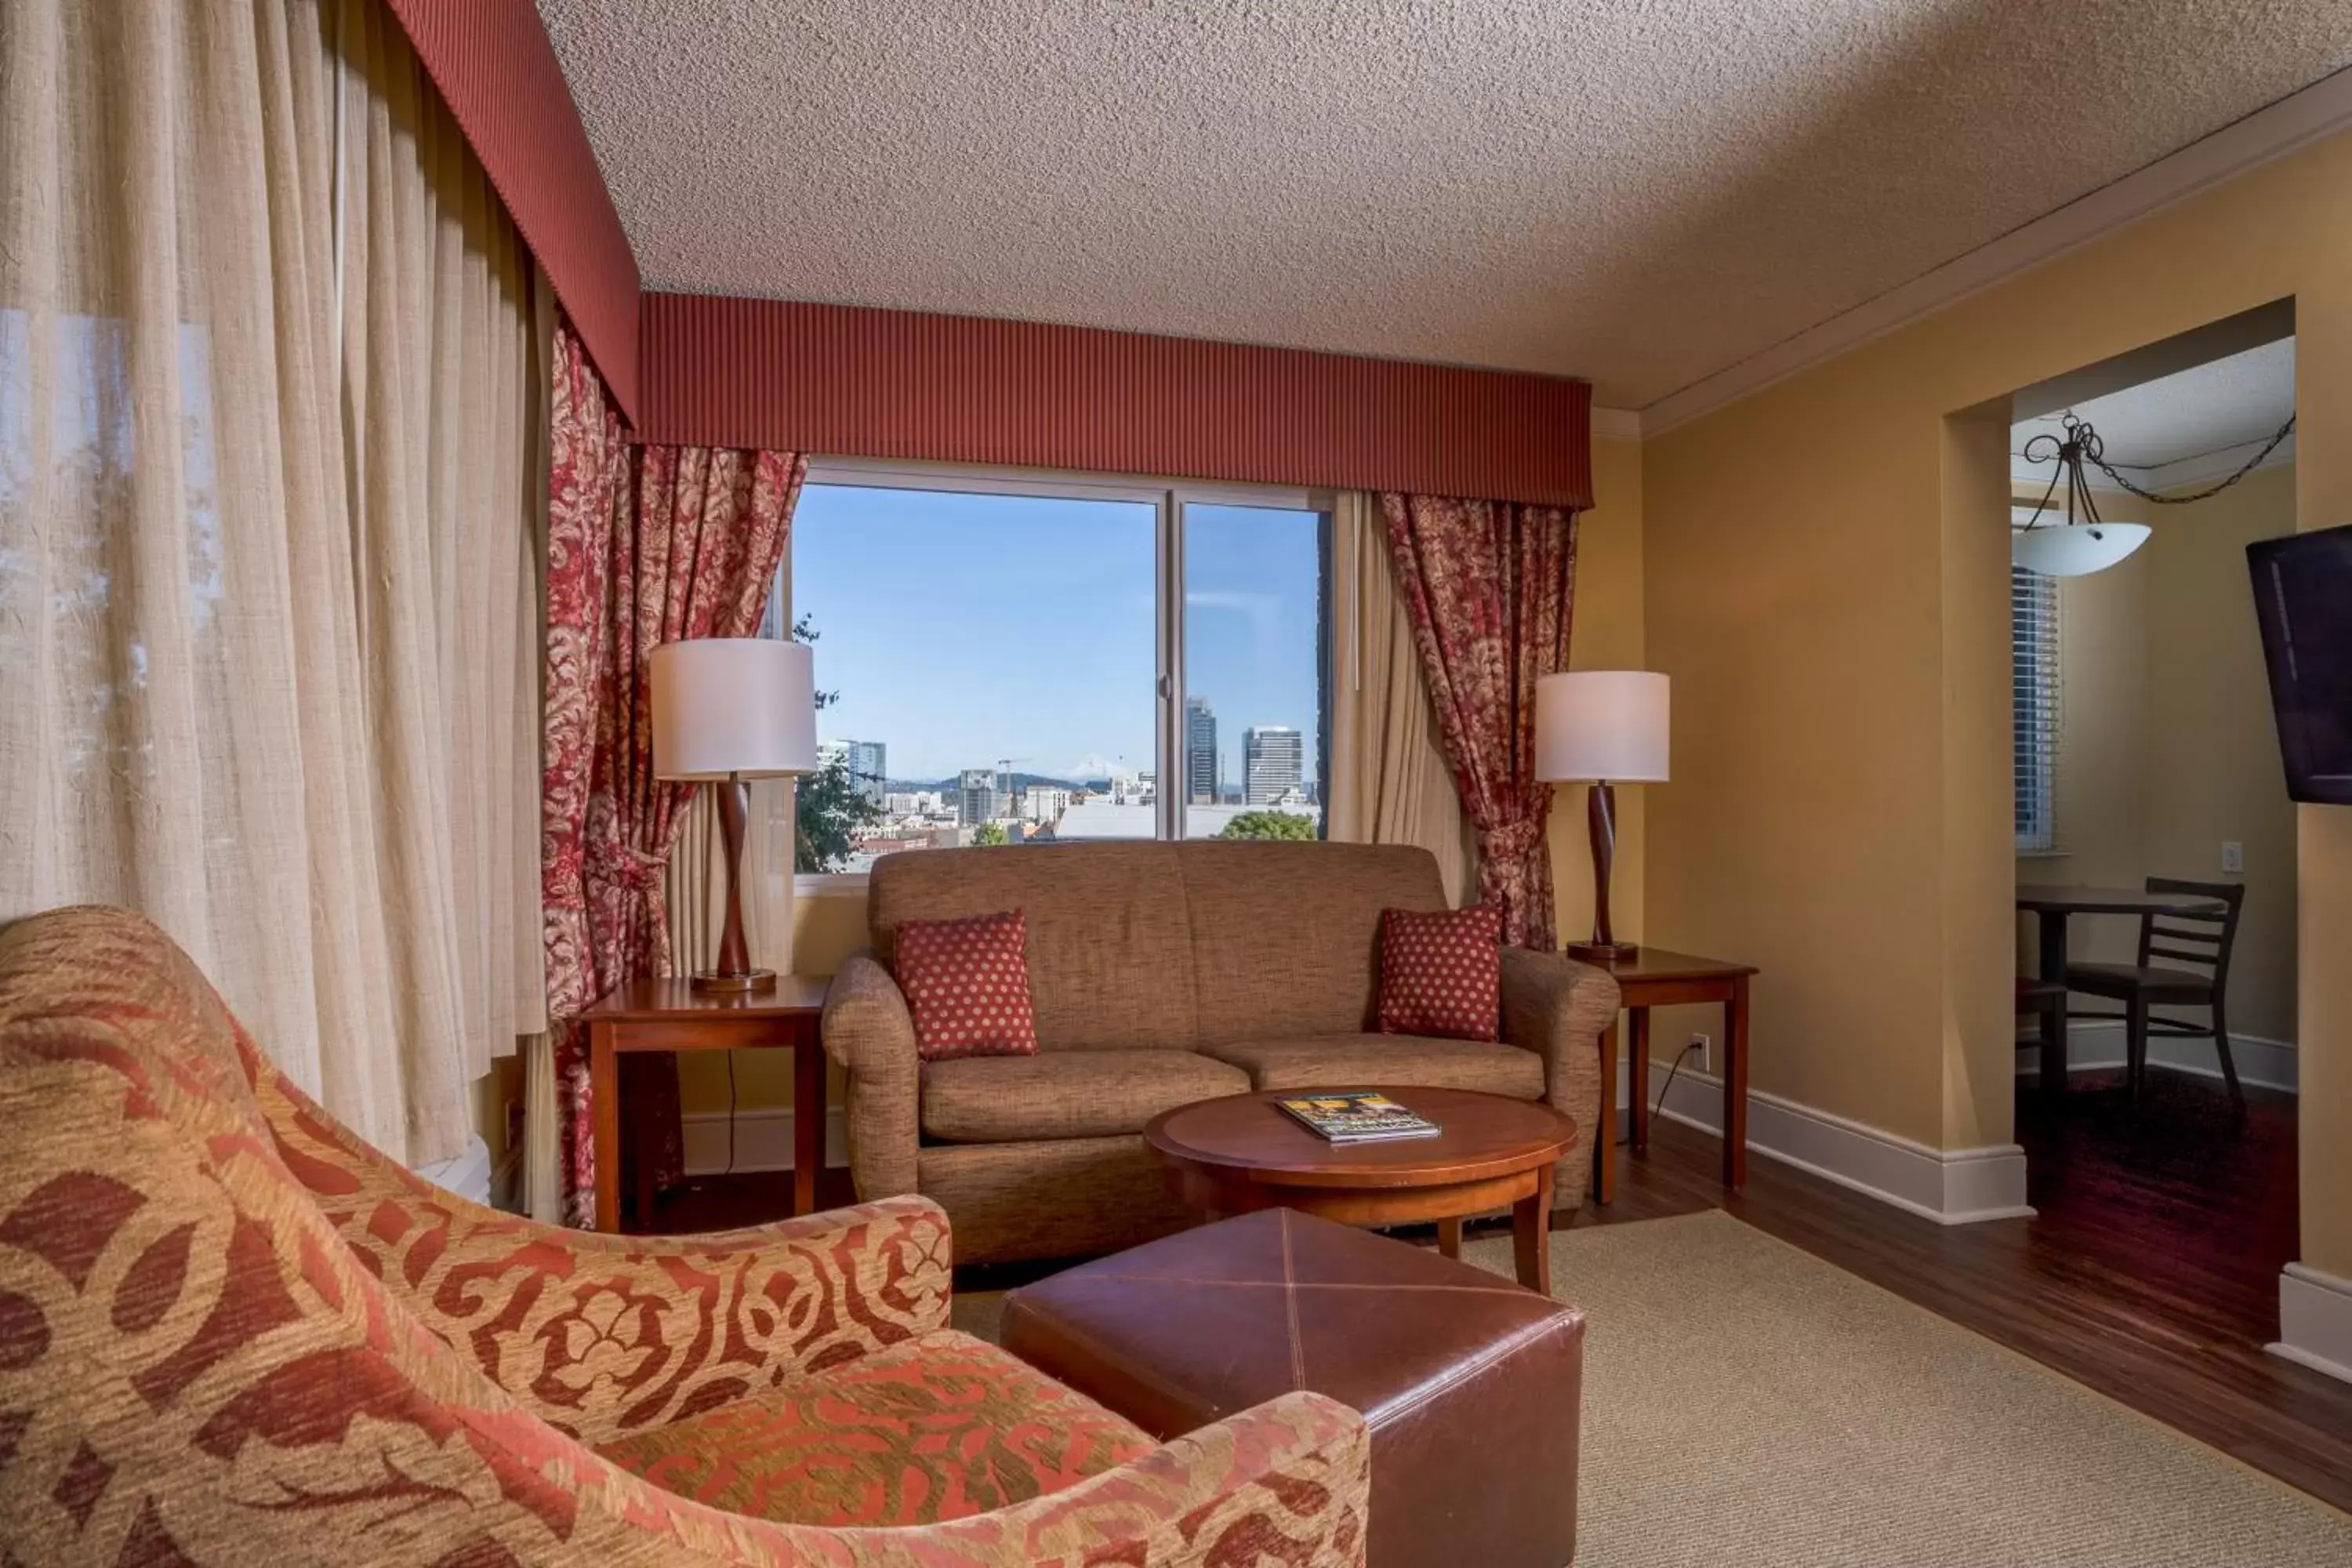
pixel 976 796
pixel 866 762
pixel 1274 763
pixel 1200 752
pixel 1043 802
pixel 869 768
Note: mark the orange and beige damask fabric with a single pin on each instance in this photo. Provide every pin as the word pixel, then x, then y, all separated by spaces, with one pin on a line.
pixel 940 1427
pixel 231 1334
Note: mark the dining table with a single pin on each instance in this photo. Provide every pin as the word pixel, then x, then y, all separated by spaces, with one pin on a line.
pixel 2052 907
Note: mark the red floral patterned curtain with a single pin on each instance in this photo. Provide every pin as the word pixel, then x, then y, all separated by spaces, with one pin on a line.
pixel 1489 585
pixel 646 545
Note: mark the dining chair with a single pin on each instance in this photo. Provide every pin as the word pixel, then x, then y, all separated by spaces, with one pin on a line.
pixel 2044 1001
pixel 2199 937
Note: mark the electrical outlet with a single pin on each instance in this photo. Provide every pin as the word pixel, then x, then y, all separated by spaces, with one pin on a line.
pixel 2234 856
pixel 1705 1045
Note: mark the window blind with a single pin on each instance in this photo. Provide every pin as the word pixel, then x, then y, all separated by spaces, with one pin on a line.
pixel 2036 706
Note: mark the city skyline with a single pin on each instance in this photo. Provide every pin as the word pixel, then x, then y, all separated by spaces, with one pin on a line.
pixel 963 630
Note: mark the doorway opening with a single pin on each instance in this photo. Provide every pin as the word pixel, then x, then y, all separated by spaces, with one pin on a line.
pixel 2156 843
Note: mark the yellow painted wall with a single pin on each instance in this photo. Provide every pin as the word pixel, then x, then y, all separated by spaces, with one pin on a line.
pixel 2169 746
pixel 1837 801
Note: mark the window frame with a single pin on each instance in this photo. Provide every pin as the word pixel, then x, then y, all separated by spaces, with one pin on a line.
pixel 1168 497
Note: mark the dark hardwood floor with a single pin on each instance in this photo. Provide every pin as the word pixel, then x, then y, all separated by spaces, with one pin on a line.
pixel 2150 1274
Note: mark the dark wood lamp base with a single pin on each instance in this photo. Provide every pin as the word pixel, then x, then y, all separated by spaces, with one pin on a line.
pixel 734 976
pixel 749 983
pixel 1600 824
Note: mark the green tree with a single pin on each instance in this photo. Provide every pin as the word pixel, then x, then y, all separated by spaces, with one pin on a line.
pixel 1269 824
pixel 988 833
pixel 828 808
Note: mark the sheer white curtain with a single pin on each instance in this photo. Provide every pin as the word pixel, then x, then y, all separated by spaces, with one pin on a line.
pixel 1389 784
pixel 268 413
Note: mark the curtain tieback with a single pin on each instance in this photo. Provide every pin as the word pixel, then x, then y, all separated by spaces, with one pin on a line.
pixel 642 871
pixel 1512 840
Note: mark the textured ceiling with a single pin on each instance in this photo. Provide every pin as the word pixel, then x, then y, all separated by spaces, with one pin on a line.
pixel 1641 192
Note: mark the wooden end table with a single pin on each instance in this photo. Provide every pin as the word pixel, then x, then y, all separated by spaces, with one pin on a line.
pixel 671 1015
pixel 1241 1154
pixel 1656 977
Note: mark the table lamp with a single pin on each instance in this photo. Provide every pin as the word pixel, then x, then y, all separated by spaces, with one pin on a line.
pixel 1602 727
pixel 726 709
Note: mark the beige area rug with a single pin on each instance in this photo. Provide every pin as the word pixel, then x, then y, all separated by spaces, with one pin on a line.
pixel 1745 1403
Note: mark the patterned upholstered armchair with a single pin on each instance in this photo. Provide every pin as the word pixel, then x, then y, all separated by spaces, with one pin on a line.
pixel 230 1332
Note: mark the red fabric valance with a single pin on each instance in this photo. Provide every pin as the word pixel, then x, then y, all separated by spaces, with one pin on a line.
pixel 894 383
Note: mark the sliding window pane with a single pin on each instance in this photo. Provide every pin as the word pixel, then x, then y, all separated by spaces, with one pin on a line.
pixel 1251 733
pixel 991 665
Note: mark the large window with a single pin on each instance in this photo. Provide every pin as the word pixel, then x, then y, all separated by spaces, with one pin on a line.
pixel 2035 706
pixel 1018 660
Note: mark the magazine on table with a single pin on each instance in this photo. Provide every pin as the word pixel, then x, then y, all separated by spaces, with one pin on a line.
pixel 1356 1116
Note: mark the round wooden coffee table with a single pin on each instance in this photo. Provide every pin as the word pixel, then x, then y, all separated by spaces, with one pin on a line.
pixel 1241 1154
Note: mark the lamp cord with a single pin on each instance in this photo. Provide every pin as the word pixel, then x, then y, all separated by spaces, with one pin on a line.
pixel 731 1116
pixel 1668 1088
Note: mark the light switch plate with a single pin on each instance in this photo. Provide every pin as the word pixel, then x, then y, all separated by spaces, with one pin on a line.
pixel 2234 856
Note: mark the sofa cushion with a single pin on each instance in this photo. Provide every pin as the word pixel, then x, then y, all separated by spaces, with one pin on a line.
pixel 940 1427
pixel 1370 1061
pixel 1067 1094
pixel 967 987
pixel 1442 972
pixel 1286 937
pixel 1110 957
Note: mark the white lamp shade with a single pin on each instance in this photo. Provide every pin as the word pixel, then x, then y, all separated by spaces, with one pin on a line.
pixel 2074 549
pixel 733 705
pixel 1601 724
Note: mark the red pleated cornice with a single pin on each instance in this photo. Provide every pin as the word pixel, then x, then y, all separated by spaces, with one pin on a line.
pixel 894 384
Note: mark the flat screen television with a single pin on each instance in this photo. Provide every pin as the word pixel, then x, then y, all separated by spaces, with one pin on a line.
pixel 2302 597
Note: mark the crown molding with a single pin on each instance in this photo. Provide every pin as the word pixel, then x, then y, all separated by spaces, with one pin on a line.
pixel 1616 424
pixel 2293 123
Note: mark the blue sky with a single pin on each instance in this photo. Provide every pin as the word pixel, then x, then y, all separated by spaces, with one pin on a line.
pixel 959 629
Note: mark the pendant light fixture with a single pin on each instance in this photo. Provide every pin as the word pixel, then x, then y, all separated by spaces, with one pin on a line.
pixel 2084 542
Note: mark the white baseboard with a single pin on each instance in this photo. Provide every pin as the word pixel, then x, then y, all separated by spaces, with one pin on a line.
pixel 2099 1044
pixel 764 1140
pixel 2315 1320
pixel 1950 1186
pixel 466 1173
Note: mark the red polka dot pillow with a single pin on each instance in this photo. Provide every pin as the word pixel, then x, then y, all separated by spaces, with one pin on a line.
pixel 967 983
pixel 1442 973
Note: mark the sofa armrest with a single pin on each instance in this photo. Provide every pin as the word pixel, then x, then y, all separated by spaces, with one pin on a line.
pixel 1283 1481
pixel 602 1336
pixel 869 1032
pixel 1557 1007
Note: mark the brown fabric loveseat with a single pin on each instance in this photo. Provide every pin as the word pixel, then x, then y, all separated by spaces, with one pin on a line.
pixel 1164 973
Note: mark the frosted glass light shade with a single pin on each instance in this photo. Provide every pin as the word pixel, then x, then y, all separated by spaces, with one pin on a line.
pixel 1601 724
pixel 2074 549
pixel 733 705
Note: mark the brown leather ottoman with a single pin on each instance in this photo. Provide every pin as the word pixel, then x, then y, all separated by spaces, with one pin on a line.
pixel 1470 1382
